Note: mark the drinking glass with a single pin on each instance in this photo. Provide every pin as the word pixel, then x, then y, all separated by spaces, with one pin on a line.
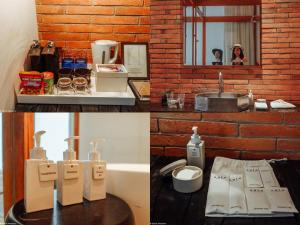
pixel 171 100
pixel 181 100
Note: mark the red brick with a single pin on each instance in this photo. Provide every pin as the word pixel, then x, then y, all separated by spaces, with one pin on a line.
pixel 65 19
pixel 178 116
pixel 204 128
pixel 173 151
pixel 131 29
pixel 169 140
pixel 114 20
pixel 153 125
pixel 288 145
pixel 269 155
pixel 65 36
pixel 250 130
pixel 210 153
pixel 241 144
pixel 119 3
pixel 133 11
pixel 280 47
pixel 255 117
pixel 50 9
pixel 293 118
pixel 124 21
pixel 89 10
pixel 157 151
pixel 63 2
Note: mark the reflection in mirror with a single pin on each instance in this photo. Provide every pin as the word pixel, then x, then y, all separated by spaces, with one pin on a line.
pixel 222 35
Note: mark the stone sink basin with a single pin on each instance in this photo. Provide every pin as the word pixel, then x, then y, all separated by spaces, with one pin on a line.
pixel 221 102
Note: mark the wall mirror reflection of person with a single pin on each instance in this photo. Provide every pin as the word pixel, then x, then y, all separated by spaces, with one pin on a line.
pixel 238 57
pixel 218 53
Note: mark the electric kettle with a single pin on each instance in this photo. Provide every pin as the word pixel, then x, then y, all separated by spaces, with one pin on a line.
pixel 102 50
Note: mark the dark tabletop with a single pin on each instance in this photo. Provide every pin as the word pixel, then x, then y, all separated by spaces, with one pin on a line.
pixel 191 108
pixel 169 207
pixel 139 107
pixel 110 211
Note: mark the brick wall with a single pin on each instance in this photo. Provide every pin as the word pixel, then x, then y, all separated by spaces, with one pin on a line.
pixel 236 135
pixel 278 77
pixel 74 24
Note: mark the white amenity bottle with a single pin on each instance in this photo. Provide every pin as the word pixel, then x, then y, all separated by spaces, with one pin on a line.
pixel 70 176
pixel 39 176
pixel 94 174
pixel 196 150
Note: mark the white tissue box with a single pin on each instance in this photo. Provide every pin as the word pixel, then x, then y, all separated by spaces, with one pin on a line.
pixel 111 81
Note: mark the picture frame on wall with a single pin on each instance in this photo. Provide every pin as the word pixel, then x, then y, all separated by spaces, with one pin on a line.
pixel 135 57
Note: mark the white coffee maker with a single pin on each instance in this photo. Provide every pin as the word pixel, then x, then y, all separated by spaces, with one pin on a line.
pixel 101 51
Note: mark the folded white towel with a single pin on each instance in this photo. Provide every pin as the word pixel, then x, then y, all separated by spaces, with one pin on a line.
pixel 261 105
pixel 280 104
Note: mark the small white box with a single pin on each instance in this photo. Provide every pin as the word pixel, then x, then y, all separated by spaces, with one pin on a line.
pixel 111 81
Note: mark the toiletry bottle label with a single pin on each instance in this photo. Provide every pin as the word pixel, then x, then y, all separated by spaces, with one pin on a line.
pixel 98 172
pixel 253 178
pixel 195 152
pixel 48 172
pixel 71 171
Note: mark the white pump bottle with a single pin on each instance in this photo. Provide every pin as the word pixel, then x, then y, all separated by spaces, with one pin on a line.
pixel 94 174
pixel 196 150
pixel 70 176
pixel 40 175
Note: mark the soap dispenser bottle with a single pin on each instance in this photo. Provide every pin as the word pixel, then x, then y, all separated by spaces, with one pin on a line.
pixel 39 177
pixel 196 150
pixel 94 175
pixel 70 176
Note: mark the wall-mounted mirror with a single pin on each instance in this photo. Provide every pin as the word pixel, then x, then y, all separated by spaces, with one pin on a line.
pixel 220 33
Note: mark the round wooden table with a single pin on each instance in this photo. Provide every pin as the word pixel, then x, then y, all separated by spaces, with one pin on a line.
pixel 110 211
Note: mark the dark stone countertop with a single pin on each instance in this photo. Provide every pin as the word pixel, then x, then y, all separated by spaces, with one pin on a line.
pixel 190 108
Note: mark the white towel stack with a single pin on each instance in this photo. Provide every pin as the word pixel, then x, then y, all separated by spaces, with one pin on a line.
pixel 280 104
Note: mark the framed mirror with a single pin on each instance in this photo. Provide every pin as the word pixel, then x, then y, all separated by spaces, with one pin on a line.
pixel 222 33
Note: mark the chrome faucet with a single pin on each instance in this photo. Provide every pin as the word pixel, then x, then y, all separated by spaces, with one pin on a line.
pixel 221 83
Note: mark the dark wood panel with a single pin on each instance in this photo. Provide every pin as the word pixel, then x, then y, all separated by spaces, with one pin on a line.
pixel 109 211
pixel 139 107
pixel 165 200
pixel 198 201
pixel 8 161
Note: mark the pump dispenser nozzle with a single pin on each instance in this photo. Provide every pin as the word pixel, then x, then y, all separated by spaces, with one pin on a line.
pixel 94 154
pixel 37 138
pixel 70 154
pixel 38 152
pixel 195 138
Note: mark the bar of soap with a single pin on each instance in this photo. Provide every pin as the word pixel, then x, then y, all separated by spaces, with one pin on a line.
pixel 261 105
pixel 186 174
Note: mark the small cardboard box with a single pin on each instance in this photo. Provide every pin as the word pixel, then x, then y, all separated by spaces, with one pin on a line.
pixel 111 81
